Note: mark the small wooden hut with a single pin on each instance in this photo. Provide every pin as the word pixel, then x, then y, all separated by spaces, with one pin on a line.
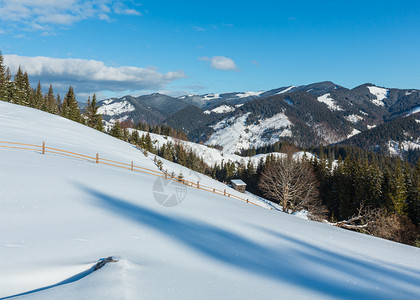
pixel 238 185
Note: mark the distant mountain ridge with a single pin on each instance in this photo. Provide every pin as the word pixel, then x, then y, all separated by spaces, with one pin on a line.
pixel 318 113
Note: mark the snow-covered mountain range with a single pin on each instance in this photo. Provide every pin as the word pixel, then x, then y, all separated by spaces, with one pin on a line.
pixel 72 213
pixel 319 113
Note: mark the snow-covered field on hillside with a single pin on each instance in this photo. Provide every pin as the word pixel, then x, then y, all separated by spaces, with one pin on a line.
pixel 233 134
pixel 60 215
pixel 380 93
pixel 211 155
pixel 329 101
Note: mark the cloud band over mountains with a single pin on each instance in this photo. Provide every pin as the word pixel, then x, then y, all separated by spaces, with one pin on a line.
pixel 90 75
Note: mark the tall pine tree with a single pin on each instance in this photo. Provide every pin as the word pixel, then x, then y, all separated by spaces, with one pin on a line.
pixel 3 80
pixel 70 108
pixel 38 98
pixel 93 118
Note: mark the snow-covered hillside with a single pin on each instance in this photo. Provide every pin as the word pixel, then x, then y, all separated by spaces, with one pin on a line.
pixel 60 215
pixel 233 134
pixel 220 109
pixel 115 108
pixel 330 102
pixel 380 94
pixel 211 155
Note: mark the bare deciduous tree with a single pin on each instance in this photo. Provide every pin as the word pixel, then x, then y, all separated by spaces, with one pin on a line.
pixel 380 223
pixel 293 184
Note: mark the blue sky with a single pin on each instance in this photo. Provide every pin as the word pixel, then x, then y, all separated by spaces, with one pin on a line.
pixel 115 48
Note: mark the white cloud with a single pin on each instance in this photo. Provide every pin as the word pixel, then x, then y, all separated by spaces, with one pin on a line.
pixel 40 14
pixel 88 76
pixel 121 9
pixel 220 63
pixel 223 63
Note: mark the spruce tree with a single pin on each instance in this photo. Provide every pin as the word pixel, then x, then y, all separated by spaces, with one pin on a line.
pixel 3 80
pixel 28 98
pixel 116 130
pixel 70 108
pixel 59 104
pixel 135 138
pixel 50 101
pixel 93 118
pixel 20 96
pixel 12 94
pixel 148 145
pixel 38 98
pixel 396 190
pixel 413 199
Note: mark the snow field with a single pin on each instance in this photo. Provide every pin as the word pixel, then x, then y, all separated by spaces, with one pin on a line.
pixel 220 109
pixel 380 94
pixel 233 134
pixel 329 101
pixel 115 109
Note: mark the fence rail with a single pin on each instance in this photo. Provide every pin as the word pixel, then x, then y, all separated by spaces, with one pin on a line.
pixel 127 166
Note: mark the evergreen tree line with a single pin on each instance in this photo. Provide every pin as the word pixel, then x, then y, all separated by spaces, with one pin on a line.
pixel 360 181
pixel 17 89
pixel 346 185
pixel 162 130
pixel 268 148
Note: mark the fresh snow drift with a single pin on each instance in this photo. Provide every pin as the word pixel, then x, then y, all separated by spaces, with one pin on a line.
pixel 61 215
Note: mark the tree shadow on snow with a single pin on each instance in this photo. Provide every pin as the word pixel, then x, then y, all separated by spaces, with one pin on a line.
pixel 298 263
pixel 66 281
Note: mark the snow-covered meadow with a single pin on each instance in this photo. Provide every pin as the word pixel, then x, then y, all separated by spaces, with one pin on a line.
pixel 60 215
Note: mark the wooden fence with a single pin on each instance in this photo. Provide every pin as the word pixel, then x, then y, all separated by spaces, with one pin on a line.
pixel 43 149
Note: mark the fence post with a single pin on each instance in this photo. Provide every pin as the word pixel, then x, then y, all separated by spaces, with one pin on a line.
pixel 132 166
pixel 247 201
pixel 43 147
pixel 166 174
pixel 198 184
pixel 97 158
pixel 214 190
pixel 224 193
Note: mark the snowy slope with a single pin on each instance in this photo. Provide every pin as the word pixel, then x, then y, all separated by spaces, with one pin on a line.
pixel 60 215
pixel 330 102
pixel 220 109
pixel 114 109
pixel 414 111
pixel 210 155
pixel 249 94
pixel 380 94
pixel 233 134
